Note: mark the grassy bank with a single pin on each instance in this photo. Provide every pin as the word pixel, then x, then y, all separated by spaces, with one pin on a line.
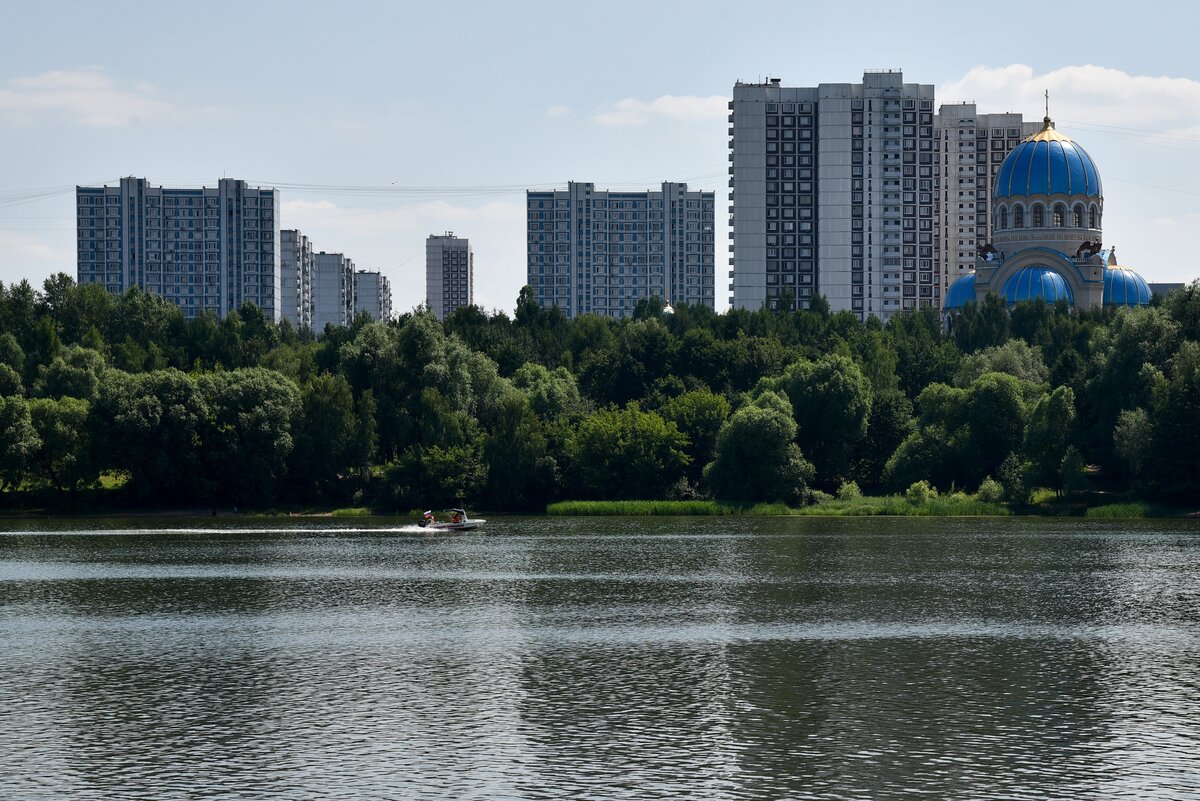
pixel 896 505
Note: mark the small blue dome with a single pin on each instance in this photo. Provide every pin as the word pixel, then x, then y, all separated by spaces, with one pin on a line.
pixel 960 293
pixel 1031 283
pixel 1047 163
pixel 1124 287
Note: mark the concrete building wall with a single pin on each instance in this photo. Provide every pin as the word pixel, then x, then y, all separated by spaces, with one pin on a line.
pixel 204 249
pixel 295 278
pixel 601 251
pixel 833 193
pixel 449 273
pixel 333 290
pixel 373 295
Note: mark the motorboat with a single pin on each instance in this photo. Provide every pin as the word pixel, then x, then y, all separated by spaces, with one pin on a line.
pixel 456 520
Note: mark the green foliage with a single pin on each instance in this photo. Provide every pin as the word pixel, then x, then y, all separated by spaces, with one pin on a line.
pixel 19 441
pixel 756 457
pixel 920 492
pixel 831 402
pixel 1120 510
pixel 990 491
pixel 1012 475
pixel 640 508
pixel 499 410
pixel 848 491
pixel 63 459
pixel 626 453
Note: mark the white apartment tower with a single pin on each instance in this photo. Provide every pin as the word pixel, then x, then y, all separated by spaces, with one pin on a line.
pixel 332 290
pixel 373 294
pixel 449 274
pixel 834 190
pixel 204 249
pixel 598 251
pixel 973 147
pixel 295 281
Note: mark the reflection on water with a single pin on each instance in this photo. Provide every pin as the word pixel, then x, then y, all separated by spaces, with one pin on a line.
pixel 601 659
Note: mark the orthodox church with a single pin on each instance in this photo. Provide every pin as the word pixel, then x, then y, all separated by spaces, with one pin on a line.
pixel 1048 206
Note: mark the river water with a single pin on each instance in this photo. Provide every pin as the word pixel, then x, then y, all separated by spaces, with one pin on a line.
pixel 601 659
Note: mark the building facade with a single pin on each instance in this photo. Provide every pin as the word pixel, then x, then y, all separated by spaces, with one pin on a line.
pixel 449 273
pixel 834 189
pixel 597 251
pixel 332 290
pixel 295 278
pixel 972 148
pixel 373 294
pixel 204 249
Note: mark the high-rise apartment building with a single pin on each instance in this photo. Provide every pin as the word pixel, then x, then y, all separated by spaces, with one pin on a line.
pixel 602 251
pixel 295 278
pixel 973 147
pixel 332 290
pixel 449 274
pixel 373 294
pixel 833 192
pixel 204 249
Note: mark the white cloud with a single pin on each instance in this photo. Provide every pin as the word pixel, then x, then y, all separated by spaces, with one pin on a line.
pixel 685 108
pixel 1085 93
pixel 86 96
pixel 558 111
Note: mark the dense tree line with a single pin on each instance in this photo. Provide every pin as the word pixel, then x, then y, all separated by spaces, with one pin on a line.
pixel 512 412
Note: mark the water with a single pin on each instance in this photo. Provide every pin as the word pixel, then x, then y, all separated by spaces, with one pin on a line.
pixel 602 659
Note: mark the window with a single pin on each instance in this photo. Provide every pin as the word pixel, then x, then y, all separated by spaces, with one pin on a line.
pixel 1019 217
pixel 1039 217
pixel 1003 217
pixel 1092 218
pixel 1060 215
pixel 1077 217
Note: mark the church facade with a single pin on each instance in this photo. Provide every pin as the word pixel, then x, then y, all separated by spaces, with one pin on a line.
pixel 1048 207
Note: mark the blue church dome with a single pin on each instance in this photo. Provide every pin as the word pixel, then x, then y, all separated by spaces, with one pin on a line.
pixel 960 293
pixel 1124 287
pixel 1047 163
pixel 1031 283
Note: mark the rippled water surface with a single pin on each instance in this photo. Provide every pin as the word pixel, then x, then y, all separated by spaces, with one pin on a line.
pixel 602 659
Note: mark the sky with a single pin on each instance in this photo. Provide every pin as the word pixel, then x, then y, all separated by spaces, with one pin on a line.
pixel 384 122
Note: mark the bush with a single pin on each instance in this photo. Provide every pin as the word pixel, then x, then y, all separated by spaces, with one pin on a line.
pixel 849 491
pixel 920 492
pixel 815 496
pixel 990 491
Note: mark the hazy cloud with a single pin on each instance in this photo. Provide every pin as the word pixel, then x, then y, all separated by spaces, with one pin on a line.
pixel 1086 93
pixel 26 248
pixel 686 108
pixel 558 111
pixel 86 96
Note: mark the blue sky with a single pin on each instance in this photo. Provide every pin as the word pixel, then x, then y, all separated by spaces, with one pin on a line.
pixel 451 108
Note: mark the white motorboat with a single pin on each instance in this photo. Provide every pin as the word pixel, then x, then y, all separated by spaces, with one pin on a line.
pixel 456 520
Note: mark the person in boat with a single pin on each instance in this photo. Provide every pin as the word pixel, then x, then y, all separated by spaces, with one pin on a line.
pixel 429 518
pixel 456 516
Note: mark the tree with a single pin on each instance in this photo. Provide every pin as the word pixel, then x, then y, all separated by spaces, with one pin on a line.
pixel 757 458
pixel 150 425
pixel 74 373
pixel 551 393
pixel 18 441
pixel 699 415
pixel 324 438
pixel 248 432
pixel 831 400
pixel 1046 438
pixel 64 459
pixel 627 453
